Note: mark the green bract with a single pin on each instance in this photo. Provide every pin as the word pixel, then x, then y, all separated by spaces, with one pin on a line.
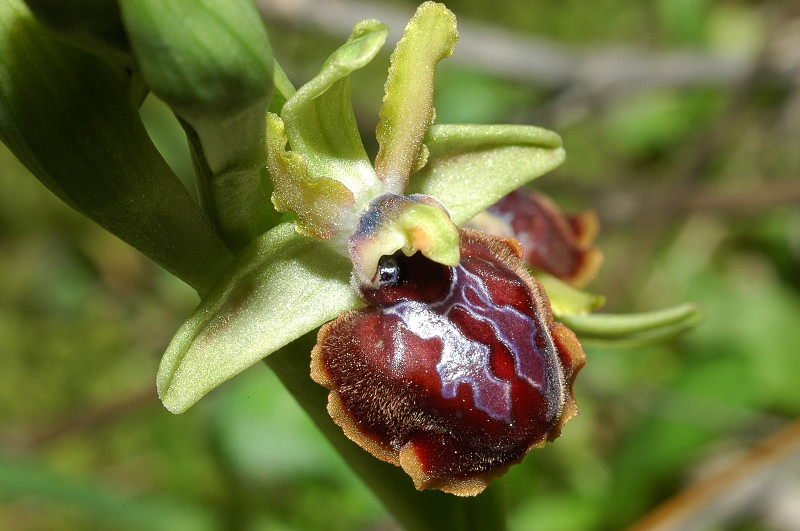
pixel 93 25
pixel 211 61
pixel 69 117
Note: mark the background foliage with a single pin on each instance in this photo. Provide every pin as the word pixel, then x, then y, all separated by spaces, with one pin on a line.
pixel 696 184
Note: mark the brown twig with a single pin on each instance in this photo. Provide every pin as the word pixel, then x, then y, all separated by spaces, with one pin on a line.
pixel 526 58
pixel 717 498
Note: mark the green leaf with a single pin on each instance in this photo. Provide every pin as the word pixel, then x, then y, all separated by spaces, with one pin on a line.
pixel 280 287
pixel 470 167
pixel 211 62
pixel 632 330
pixel 567 300
pixel 23 481
pixel 93 25
pixel 68 117
pixel 319 117
pixel 407 109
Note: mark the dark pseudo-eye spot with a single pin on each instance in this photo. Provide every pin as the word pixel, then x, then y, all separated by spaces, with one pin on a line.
pixel 388 271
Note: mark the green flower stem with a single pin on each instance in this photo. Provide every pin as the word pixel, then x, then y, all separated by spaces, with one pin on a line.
pixel 414 510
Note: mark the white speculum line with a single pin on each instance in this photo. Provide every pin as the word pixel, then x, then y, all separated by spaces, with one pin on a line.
pixel 464 360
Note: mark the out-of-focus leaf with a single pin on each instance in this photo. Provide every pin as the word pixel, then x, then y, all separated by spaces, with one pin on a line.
pixel 470 167
pixel 211 62
pixel 30 481
pixel 319 117
pixel 634 329
pixel 280 287
pixel 93 25
pixel 68 117
pixel 407 109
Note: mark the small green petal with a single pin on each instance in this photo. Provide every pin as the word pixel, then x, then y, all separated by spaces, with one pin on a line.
pixel 324 207
pixel 319 117
pixel 280 287
pixel 470 167
pixel 407 110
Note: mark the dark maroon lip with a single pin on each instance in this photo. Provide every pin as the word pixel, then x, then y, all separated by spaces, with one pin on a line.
pixel 457 366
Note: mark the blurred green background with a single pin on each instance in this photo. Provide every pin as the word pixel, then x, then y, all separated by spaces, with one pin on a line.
pixel 680 120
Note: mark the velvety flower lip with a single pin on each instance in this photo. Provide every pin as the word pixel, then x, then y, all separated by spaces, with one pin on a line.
pixel 553 242
pixel 452 372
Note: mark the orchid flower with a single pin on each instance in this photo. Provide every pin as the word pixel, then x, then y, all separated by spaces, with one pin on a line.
pixel 447 351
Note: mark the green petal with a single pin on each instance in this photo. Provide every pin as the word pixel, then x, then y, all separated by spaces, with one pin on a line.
pixel 324 207
pixel 633 330
pixel 68 117
pixel 470 167
pixel 319 117
pixel 280 287
pixel 407 110
pixel 211 62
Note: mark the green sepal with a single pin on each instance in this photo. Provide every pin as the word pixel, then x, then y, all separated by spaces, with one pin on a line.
pixel 566 299
pixel 407 109
pixel 320 123
pixel 280 287
pixel 211 62
pixel 471 167
pixel 68 117
pixel 95 26
pixel 636 329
